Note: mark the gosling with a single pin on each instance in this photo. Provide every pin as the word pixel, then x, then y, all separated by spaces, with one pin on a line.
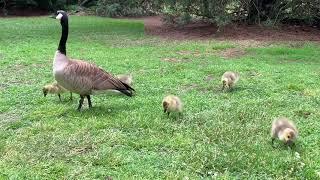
pixel 125 78
pixel 285 130
pixel 172 104
pixel 229 79
pixel 54 88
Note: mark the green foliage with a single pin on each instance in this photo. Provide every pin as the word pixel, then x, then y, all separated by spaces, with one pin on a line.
pixel 112 8
pixel 109 10
pixel 36 4
pixel 222 12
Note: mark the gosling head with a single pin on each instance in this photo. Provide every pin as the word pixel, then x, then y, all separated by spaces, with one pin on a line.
pixel 45 91
pixel 165 106
pixel 289 136
pixel 224 83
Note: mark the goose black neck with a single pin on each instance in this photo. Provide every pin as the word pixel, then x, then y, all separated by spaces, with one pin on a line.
pixel 64 36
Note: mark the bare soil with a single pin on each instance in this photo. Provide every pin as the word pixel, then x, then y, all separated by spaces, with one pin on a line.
pixel 204 31
pixel 232 53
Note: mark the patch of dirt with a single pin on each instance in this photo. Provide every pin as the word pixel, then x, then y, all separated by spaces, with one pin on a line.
pixel 232 53
pixel 175 60
pixel 286 61
pixel 81 150
pixel 204 31
pixel 186 52
pixel 254 73
pixel 304 114
pixel 189 87
pixel 9 117
pixel 209 78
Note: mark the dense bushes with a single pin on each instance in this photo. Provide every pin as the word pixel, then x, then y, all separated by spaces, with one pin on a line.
pixel 220 12
pixel 179 12
pixel 48 5
pixel 112 8
pixel 268 12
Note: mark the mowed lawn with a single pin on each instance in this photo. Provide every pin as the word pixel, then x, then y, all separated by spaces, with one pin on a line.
pixel 221 134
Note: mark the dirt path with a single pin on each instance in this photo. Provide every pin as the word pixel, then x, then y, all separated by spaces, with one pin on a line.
pixel 154 26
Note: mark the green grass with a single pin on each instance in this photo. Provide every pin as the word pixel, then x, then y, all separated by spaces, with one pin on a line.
pixel 221 134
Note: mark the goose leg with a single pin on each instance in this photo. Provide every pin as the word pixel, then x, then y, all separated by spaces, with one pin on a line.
pixel 71 96
pixel 80 102
pixel 89 101
pixel 59 97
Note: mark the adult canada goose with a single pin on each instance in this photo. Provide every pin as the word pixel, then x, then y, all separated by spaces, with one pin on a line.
pixel 81 77
pixel 285 130
pixel 54 88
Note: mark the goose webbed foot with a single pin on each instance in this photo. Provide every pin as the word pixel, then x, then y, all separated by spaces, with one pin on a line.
pixel 80 102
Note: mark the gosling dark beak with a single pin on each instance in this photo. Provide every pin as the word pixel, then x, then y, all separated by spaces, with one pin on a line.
pixel 44 94
pixel 164 110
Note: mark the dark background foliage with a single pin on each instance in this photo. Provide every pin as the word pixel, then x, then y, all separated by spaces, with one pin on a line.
pixel 180 12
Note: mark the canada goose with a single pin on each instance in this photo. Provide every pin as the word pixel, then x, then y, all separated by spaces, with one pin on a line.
pixel 172 104
pixel 79 76
pixel 54 88
pixel 283 129
pixel 229 79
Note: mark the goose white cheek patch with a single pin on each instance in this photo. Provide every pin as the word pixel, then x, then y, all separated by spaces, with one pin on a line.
pixel 59 16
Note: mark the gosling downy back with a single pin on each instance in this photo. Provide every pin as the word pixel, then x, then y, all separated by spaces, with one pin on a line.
pixel 284 129
pixel 229 79
pixel 172 103
pixel 79 76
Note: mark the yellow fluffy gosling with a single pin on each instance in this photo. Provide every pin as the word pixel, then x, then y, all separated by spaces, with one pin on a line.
pixel 54 88
pixel 229 79
pixel 172 104
pixel 285 130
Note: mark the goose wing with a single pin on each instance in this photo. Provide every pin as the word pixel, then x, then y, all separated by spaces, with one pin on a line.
pixel 98 79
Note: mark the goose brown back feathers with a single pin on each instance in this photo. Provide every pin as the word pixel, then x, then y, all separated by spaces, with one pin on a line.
pixel 85 78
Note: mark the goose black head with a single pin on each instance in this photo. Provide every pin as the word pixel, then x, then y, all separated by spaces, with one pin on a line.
pixel 61 15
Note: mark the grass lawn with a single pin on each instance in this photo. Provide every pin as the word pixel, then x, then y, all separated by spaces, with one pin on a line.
pixel 221 134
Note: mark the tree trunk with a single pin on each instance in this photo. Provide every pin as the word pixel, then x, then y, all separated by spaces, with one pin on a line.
pixel 206 11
